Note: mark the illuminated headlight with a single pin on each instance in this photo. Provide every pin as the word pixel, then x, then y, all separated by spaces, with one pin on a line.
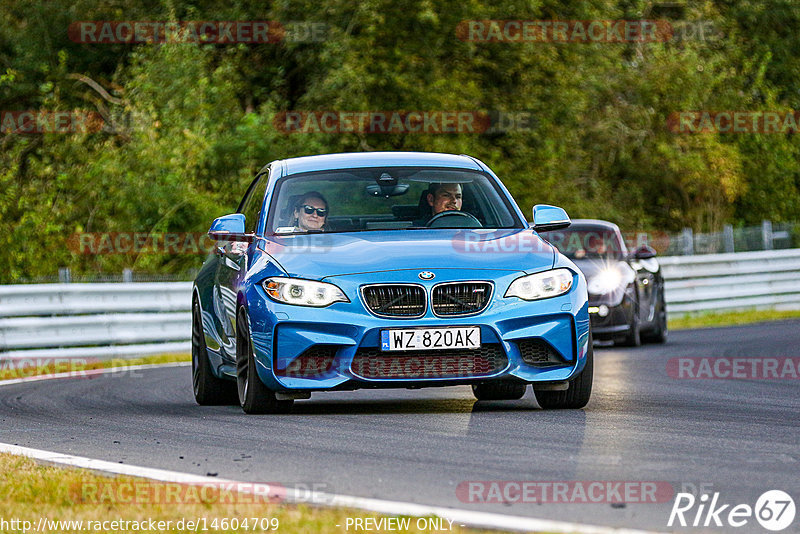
pixel 541 285
pixel 303 292
pixel 605 281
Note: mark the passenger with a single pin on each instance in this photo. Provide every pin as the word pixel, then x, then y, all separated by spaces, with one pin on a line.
pixel 311 213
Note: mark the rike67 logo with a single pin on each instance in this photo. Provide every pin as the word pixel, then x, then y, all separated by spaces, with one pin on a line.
pixel 774 510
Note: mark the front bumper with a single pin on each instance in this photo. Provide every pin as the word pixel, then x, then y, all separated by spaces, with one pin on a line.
pixel 338 347
pixel 610 320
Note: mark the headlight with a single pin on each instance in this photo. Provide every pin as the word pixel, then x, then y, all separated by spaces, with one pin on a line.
pixel 541 285
pixel 303 292
pixel 605 281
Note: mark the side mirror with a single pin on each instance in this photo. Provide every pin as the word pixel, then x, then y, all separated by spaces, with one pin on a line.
pixel 644 252
pixel 229 228
pixel 547 218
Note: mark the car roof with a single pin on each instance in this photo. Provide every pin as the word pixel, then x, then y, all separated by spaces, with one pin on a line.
pixel 377 159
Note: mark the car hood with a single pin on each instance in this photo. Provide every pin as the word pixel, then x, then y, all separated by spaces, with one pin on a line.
pixel 321 255
pixel 590 268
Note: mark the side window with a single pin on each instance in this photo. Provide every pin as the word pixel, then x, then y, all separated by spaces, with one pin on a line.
pixel 251 205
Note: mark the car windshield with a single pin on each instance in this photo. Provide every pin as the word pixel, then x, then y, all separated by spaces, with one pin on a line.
pixel 587 242
pixel 394 198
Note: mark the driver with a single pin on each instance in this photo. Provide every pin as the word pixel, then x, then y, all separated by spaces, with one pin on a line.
pixel 444 197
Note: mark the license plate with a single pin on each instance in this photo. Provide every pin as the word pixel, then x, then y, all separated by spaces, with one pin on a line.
pixel 431 338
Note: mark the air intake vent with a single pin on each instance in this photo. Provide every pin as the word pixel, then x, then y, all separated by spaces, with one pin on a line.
pixel 395 300
pixel 538 353
pixel 460 298
pixel 315 361
pixel 425 364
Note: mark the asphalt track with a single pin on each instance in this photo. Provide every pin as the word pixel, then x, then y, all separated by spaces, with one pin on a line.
pixel 736 437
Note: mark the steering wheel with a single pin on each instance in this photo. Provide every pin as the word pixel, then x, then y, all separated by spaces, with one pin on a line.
pixel 440 220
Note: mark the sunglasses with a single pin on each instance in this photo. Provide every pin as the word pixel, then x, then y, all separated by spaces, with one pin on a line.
pixel 321 212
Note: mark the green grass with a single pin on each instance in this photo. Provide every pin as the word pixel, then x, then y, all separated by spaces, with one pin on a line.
pixel 708 320
pixel 29 491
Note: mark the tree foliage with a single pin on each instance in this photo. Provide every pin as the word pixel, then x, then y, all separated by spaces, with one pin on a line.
pixel 187 125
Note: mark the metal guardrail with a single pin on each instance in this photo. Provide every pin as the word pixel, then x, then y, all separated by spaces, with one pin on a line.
pixel 94 320
pixel 119 320
pixel 767 236
pixel 767 279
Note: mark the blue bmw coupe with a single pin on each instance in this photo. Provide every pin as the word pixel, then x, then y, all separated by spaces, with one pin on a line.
pixel 386 270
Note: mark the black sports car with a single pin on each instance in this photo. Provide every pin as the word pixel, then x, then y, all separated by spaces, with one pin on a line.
pixel 626 289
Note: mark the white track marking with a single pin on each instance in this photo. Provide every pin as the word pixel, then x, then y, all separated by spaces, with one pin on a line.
pixel 462 517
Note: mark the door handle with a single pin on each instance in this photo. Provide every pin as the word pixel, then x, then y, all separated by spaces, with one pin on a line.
pixel 224 256
pixel 231 264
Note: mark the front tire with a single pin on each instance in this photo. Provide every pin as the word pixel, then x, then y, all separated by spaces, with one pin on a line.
pixel 499 390
pixel 634 336
pixel 659 334
pixel 254 396
pixel 579 390
pixel 208 389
